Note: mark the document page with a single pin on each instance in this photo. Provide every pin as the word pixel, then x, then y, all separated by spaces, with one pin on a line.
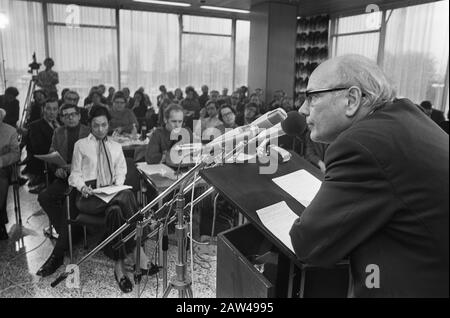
pixel 157 169
pixel 301 185
pixel 107 193
pixel 53 158
pixel 278 219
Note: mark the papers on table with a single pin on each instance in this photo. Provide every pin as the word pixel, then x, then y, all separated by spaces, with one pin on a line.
pixel 107 193
pixel 53 158
pixel 278 219
pixel 158 170
pixel 301 185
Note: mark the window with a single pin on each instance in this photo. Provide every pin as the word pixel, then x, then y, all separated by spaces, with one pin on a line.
pixel 416 51
pixel 206 56
pixel 23 36
pixel 84 56
pixel 149 51
pixel 358 34
pixel 414 43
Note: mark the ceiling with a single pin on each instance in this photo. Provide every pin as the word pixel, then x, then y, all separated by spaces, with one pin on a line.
pixel 304 7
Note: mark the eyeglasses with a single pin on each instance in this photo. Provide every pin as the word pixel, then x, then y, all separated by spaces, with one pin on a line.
pixel 310 94
pixel 70 115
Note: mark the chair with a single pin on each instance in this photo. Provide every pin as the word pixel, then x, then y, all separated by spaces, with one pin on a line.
pixel 132 179
pixel 15 184
pixel 49 230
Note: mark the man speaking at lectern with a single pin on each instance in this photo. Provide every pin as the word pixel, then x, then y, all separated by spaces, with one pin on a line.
pixel 384 200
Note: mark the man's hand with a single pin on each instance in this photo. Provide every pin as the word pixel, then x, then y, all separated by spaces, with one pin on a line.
pixel 322 166
pixel 61 173
pixel 86 191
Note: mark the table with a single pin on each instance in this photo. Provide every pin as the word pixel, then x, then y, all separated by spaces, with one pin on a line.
pixel 133 148
pixel 248 190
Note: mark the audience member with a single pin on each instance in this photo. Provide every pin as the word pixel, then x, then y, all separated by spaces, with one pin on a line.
pixel 111 91
pixel 9 154
pixel 122 119
pixel 61 99
pixel 204 97
pixel 40 139
pixel 98 161
pixel 163 138
pixel 162 96
pixel 10 104
pixel 251 113
pixel 191 107
pixel 227 115
pixel 52 199
pixel 48 79
pixel 36 106
pixel 178 96
pixel 208 127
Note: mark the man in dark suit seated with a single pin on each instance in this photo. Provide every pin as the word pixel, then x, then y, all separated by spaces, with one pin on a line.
pixel 384 199
pixel 52 198
pixel 9 154
pixel 164 138
pixel 39 140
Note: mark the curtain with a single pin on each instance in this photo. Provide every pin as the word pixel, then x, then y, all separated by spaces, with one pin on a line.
pixel 206 59
pixel 84 56
pixel 23 36
pixel 149 51
pixel 242 53
pixel 416 51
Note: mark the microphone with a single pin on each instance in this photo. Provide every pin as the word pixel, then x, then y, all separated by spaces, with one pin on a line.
pixel 268 120
pixel 293 125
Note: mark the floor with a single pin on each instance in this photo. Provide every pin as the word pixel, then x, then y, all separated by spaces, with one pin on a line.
pixel 27 249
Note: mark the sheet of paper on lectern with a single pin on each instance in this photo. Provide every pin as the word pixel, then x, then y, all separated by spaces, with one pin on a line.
pixel 278 219
pixel 301 185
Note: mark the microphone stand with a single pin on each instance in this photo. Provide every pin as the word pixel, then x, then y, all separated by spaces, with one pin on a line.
pixel 179 282
pixel 137 216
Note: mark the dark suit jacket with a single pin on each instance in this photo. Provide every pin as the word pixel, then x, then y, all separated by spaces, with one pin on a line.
pixel 59 140
pixel 384 201
pixel 40 138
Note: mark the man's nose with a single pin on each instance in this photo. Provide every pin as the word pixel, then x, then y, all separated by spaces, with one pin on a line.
pixel 304 109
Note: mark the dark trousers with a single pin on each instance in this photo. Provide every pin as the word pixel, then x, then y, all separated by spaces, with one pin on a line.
pixel 5 174
pixel 116 212
pixel 52 201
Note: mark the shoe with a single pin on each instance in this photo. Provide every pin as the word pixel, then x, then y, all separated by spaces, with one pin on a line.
pixel 37 189
pixel 154 269
pixel 125 284
pixel 51 265
pixel 3 233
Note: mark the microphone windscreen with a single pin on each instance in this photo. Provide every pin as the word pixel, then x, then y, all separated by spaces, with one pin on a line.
pixel 294 124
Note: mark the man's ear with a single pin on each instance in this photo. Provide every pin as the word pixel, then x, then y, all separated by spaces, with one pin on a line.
pixel 354 96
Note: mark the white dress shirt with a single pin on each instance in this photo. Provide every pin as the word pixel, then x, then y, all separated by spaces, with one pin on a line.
pixel 84 162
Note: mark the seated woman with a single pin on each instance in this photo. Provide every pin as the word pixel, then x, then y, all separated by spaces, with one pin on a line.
pixel 211 126
pixel 97 162
pixel 122 118
pixel 227 115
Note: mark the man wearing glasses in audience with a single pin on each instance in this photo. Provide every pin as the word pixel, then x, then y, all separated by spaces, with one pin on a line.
pixel 52 198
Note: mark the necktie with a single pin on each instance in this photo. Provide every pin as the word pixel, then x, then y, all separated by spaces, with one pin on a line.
pixel 104 165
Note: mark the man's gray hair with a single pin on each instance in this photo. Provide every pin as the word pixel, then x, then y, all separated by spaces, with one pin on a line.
pixel 357 70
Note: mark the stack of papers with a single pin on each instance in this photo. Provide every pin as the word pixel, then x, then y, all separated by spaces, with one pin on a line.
pixel 160 170
pixel 53 158
pixel 107 193
pixel 278 219
pixel 301 185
